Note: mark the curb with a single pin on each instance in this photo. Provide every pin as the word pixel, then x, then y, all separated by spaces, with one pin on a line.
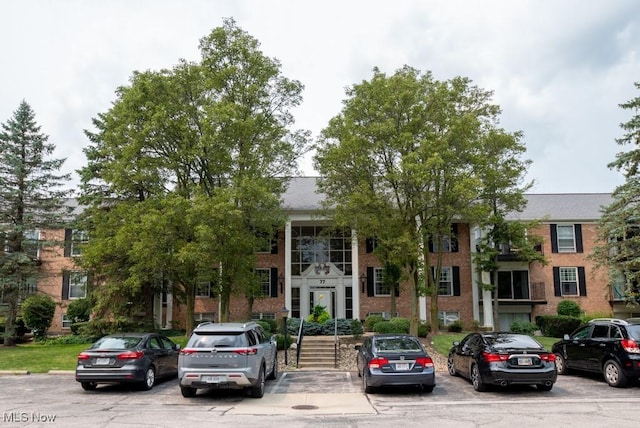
pixel 14 372
pixel 61 372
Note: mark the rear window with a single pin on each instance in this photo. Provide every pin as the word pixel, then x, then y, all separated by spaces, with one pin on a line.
pixel 116 343
pixel 634 331
pixel 512 341
pixel 218 340
pixel 397 344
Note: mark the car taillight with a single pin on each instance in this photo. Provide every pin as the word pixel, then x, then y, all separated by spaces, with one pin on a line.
pixel 187 351
pixel 630 346
pixel 134 355
pixel 246 351
pixel 494 358
pixel 83 356
pixel 376 363
pixel 550 358
pixel 424 361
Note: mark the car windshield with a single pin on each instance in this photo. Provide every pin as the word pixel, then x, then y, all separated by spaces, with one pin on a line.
pixel 116 343
pixel 397 344
pixel 218 340
pixel 634 331
pixel 510 341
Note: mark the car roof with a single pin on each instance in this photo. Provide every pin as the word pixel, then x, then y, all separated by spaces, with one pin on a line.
pixel 224 327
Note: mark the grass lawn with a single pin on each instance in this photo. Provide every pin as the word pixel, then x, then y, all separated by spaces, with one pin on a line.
pixel 442 342
pixel 41 358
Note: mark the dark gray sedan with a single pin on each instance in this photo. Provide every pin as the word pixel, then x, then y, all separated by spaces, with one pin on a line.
pixel 394 360
pixel 137 358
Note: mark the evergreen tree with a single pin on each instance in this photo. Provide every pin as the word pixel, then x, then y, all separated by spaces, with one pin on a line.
pixel 30 198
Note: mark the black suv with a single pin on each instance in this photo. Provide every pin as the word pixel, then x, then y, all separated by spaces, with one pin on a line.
pixel 227 355
pixel 603 345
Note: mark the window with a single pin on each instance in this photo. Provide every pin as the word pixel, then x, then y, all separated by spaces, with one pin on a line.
pixel 206 285
pixel 445 284
pixel 445 243
pixel 66 322
pixel 264 281
pixel 380 289
pixel 569 281
pixel 203 288
pixel 448 317
pixel 318 246
pixel 263 316
pixel 78 239
pixel 513 284
pixel 566 239
pixel 74 284
pixel 30 245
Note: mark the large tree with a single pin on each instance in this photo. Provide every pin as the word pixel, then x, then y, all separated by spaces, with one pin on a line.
pixel 31 197
pixel 619 225
pixel 402 162
pixel 217 133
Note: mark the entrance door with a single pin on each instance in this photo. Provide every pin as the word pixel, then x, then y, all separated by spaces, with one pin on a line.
pixel 323 298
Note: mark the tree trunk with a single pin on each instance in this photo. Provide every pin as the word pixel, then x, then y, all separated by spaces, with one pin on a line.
pixel 11 298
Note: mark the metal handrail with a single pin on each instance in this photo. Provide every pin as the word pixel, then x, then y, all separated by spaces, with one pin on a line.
pixel 299 342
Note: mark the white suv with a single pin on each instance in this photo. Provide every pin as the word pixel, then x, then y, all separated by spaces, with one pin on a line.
pixel 227 355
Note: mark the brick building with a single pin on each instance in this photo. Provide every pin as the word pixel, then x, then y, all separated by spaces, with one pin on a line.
pixel 307 267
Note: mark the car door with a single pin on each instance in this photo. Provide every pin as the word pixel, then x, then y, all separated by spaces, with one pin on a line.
pixel 597 347
pixel 266 348
pixel 576 348
pixel 171 361
pixel 158 355
pixel 465 354
pixel 363 355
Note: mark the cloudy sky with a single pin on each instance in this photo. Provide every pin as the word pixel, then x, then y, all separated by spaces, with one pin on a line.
pixel 558 69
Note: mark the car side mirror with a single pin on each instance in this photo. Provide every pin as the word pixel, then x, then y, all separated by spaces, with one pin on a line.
pixel 177 347
pixel 357 347
pixel 456 343
pixel 566 337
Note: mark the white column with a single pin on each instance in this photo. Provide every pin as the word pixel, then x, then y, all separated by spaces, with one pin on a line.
pixel 287 266
pixel 487 302
pixel 355 274
pixel 169 317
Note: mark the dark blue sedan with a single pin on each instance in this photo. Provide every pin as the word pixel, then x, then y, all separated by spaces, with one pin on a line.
pixel 136 358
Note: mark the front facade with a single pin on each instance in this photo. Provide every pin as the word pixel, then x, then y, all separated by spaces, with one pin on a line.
pixel 313 264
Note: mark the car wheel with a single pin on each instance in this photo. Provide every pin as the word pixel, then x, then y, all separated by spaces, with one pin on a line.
pixel 149 379
pixel 544 387
pixel 257 391
pixel 450 367
pixel 88 386
pixel 274 372
pixel 427 388
pixel 613 374
pixel 187 391
pixel 365 384
pixel 561 365
pixel 476 380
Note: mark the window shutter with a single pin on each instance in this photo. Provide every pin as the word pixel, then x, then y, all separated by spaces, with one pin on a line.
pixel 454 238
pixel 577 228
pixel 274 244
pixel 556 282
pixel 369 244
pixel 397 289
pixel 65 284
pixel 456 280
pixel 274 282
pixel 582 281
pixel 370 282
pixel 554 239
pixel 68 240
pixel 430 244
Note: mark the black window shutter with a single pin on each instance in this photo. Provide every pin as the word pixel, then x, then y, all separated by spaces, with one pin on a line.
pixel 554 238
pixel 274 244
pixel 369 245
pixel 430 244
pixel 65 284
pixel 370 282
pixel 582 281
pixel 556 282
pixel 454 238
pixel 577 228
pixel 274 282
pixel 397 289
pixel 456 280
pixel 68 234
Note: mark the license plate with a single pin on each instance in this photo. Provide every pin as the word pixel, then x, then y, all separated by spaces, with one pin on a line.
pixel 525 361
pixel 102 361
pixel 402 366
pixel 214 379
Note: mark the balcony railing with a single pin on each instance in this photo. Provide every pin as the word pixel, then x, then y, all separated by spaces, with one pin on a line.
pixel 537 293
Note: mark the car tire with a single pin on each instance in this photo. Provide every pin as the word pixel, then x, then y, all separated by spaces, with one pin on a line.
pixel 274 372
pixel 544 387
pixel 88 386
pixel 613 374
pixel 365 384
pixel 257 391
pixel 561 365
pixel 149 379
pixel 188 391
pixel 476 379
pixel 451 367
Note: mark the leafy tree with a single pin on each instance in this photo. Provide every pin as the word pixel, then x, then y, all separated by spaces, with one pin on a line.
pixel 30 198
pixel 619 225
pixel 402 161
pixel 211 137
pixel 37 312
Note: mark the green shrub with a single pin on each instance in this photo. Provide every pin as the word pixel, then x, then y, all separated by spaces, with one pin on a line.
pixel 70 339
pixel 371 321
pixel 356 329
pixel 402 323
pixel 424 329
pixel 319 315
pixel 569 308
pixel 282 345
pixel 37 312
pixel 524 327
pixel 557 325
pixel 455 327
pixel 388 327
pixel 266 326
pixel 79 310
pixel 343 327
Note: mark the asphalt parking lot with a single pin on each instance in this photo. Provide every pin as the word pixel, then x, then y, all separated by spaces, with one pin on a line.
pixel 33 399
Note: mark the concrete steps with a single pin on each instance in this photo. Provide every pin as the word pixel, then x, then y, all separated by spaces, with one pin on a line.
pixel 317 352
